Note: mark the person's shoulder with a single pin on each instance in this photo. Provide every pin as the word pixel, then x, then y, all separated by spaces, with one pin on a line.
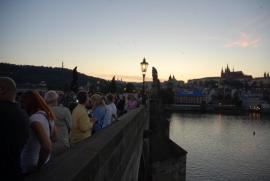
pixel 62 108
pixel 79 110
pixel 76 109
pixel 20 114
pixel 23 114
pixel 110 106
pixel 100 109
pixel 17 110
pixel 66 111
pixel 65 108
pixel 38 117
pixel 6 105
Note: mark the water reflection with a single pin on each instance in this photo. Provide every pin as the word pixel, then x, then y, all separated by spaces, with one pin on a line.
pixel 255 116
pixel 223 147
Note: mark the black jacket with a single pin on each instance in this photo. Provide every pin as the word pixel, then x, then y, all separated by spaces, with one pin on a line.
pixel 14 134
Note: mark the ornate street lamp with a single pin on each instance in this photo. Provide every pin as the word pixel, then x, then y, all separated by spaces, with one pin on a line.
pixel 144 66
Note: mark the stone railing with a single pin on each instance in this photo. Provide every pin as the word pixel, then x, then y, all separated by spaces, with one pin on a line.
pixel 112 154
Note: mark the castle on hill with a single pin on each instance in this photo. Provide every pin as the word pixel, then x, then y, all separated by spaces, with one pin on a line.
pixel 234 75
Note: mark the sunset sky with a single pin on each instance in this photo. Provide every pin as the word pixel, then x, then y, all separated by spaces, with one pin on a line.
pixel 190 39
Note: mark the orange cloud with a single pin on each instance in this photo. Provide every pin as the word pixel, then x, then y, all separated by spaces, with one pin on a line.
pixel 244 42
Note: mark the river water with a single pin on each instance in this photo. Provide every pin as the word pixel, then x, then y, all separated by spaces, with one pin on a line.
pixel 223 148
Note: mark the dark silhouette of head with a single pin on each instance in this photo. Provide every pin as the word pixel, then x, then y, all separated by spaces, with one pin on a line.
pixel 7 89
pixel 82 97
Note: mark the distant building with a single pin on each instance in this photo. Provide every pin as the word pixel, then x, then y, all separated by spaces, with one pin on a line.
pixel 172 83
pixel 227 74
pixel 190 98
pixel 261 85
pixel 204 82
pixel 262 81
pixel 251 101
pixel 139 85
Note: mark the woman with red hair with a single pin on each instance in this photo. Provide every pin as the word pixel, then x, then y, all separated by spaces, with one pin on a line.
pixel 38 149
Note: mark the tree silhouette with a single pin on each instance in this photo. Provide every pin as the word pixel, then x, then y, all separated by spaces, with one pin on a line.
pixel 56 78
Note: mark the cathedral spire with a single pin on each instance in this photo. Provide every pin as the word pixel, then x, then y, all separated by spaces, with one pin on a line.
pixel 227 69
pixel 170 78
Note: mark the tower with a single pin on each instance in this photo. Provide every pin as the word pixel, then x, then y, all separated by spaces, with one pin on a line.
pixel 170 78
pixel 227 69
pixel 222 72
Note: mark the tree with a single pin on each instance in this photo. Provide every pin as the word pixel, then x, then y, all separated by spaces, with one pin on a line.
pixel 56 78
pixel 66 87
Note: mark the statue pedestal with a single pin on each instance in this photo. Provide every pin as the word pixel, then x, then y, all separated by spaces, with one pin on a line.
pixel 167 159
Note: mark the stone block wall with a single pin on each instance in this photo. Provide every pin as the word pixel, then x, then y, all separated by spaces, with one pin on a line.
pixel 112 154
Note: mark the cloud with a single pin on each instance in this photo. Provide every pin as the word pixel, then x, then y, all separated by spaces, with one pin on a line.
pixel 245 41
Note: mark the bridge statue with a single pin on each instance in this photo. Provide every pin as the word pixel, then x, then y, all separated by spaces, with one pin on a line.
pixel 74 83
pixel 156 82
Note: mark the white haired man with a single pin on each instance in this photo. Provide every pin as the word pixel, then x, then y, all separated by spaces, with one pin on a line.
pixel 63 122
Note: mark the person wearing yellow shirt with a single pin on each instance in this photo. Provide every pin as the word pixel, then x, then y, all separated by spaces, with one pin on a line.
pixel 81 123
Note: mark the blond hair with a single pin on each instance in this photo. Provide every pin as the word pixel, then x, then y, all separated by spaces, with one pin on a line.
pixel 97 100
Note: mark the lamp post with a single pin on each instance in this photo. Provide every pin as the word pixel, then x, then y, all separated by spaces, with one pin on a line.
pixel 144 66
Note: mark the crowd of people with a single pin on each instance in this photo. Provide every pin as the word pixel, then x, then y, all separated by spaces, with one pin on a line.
pixel 39 126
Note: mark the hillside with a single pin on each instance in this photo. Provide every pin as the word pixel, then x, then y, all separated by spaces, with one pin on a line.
pixel 55 77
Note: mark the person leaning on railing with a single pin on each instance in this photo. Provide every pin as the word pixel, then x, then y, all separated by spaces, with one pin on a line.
pixel 37 151
pixel 63 122
pixel 81 123
pixel 111 107
pixel 100 113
